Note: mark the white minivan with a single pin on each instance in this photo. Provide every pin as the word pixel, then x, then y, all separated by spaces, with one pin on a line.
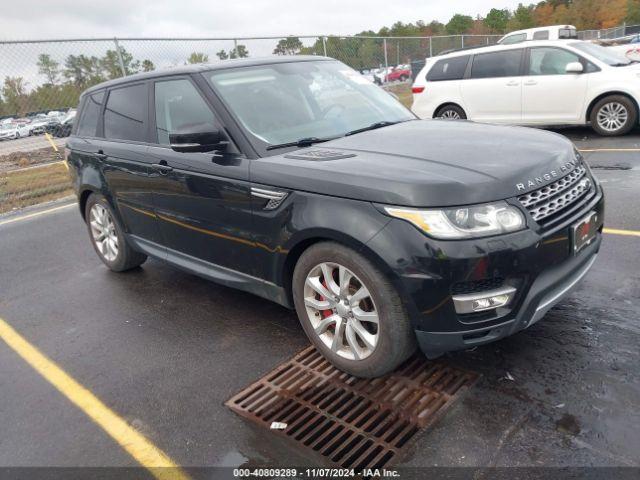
pixel 543 83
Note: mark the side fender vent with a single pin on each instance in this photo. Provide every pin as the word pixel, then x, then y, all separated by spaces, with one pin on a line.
pixel 319 155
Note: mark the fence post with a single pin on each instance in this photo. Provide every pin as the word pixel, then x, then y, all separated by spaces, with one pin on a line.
pixel 120 60
pixel 430 47
pixel 386 62
pixel 462 41
pixel 235 46
pixel 324 45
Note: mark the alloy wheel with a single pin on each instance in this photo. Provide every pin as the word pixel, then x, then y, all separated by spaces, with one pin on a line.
pixel 342 311
pixel 103 231
pixel 450 115
pixel 612 116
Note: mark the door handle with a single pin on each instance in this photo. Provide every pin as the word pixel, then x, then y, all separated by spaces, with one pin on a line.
pixel 513 84
pixel 162 167
pixel 101 155
pixel 531 82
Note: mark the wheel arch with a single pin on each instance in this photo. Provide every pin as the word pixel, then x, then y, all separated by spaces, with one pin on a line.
pixel 593 102
pixel 448 104
pixel 295 252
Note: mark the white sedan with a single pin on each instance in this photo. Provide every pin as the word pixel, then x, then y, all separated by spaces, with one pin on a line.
pixel 12 131
pixel 563 82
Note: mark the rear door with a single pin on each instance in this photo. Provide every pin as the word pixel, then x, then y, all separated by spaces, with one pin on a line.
pixel 550 95
pixel 125 164
pixel 202 200
pixel 493 90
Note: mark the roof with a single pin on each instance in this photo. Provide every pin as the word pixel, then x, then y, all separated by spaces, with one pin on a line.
pixel 512 46
pixel 206 67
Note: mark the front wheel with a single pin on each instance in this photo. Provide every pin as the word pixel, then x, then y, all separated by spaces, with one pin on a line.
pixel 350 311
pixel 614 115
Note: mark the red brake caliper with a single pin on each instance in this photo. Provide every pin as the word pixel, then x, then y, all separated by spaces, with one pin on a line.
pixel 325 313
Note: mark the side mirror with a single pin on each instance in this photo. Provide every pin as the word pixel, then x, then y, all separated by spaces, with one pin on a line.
pixel 574 67
pixel 198 138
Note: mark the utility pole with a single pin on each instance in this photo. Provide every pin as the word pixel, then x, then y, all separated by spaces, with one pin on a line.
pixel 120 60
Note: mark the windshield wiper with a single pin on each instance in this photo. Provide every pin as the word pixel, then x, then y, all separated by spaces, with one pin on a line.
pixel 303 142
pixel 373 126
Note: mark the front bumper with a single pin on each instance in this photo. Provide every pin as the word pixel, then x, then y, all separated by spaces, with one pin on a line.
pixel 540 265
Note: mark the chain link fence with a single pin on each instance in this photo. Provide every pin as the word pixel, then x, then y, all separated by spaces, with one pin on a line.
pixel 41 81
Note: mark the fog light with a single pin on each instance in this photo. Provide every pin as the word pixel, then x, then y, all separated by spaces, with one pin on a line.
pixel 483 301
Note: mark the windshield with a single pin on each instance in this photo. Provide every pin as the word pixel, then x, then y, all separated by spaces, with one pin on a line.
pixel 285 102
pixel 604 54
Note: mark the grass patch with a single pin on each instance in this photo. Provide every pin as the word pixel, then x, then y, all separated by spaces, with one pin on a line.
pixel 30 186
pixel 403 91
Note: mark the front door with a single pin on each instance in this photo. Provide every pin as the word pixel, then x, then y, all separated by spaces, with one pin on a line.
pixel 550 95
pixel 202 200
pixel 493 92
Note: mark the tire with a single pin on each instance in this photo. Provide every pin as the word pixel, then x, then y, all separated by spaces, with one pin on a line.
pixel 393 334
pixel 403 78
pixel 451 112
pixel 125 257
pixel 614 115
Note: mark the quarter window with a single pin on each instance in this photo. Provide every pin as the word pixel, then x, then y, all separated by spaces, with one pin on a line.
pixel 180 107
pixel 448 69
pixel 497 64
pixel 90 113
pixel 550 61
pixel 126 113
pixel 511 39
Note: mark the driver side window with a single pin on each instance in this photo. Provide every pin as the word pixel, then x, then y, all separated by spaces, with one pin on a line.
pixel 550 61
pixel 179 107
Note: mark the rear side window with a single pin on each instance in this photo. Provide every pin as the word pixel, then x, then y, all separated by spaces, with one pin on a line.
pixel 90 113
pixel 125 114
pixel 448 69
pixel 541 35
pixel 497 64
pixel 180 107
pixel 520 37
pixel 567 33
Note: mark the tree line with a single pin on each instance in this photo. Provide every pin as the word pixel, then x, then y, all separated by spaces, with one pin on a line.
pixel 64 82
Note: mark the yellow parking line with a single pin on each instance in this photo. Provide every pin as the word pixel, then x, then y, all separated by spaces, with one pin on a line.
pixel 141 449
pixel 617 231
pixel 35 214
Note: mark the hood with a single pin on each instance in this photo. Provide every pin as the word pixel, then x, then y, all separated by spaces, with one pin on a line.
pixel 424 163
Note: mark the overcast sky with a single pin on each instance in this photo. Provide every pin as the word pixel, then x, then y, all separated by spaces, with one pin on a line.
pixel 38 19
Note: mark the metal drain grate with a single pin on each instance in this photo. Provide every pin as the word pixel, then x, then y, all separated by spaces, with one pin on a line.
pixel 354 423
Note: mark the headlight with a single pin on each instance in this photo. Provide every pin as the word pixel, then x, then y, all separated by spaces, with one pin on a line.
pixel 464 222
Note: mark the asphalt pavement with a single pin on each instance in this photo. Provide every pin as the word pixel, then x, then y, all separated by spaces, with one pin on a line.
pixel 27 144
pixel 165 350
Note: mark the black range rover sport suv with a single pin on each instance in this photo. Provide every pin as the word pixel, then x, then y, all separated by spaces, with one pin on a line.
pixel 298 180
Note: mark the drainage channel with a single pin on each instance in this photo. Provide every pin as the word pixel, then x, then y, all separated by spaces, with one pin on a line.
pixel 351 422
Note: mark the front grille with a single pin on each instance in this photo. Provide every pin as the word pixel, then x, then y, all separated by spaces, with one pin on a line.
pixel 475 286
pixel 559 196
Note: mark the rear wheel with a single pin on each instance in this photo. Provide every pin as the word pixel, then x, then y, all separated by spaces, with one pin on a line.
pixel 107 236
pixel 614 115
pixel 451 112
pixel 350 311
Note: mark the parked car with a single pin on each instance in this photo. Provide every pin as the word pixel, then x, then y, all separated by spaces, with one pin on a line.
pixel 381 230
pixel 537 83
pixel 627 46
pixel 62 128
pixel 553 32
pixel 13 131
pixel 38 124
pixel 400 73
